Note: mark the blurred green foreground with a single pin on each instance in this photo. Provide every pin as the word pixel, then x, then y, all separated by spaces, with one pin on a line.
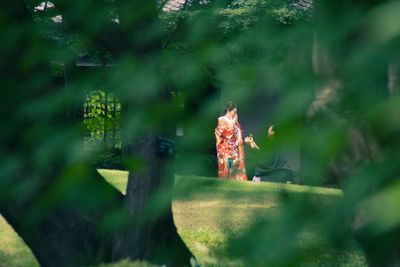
pixel 97 84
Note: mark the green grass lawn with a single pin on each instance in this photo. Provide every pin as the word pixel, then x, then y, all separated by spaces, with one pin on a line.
pixel 13 251
pixel 210 212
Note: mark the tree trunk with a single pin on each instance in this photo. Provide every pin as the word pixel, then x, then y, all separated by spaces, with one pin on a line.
pixel 61 207
pixel 148 200
pixel 68 230
pixel 105 121
pixel 114 121
pixel 156 236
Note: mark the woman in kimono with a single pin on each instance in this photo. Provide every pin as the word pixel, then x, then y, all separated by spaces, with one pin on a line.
pixel 229 142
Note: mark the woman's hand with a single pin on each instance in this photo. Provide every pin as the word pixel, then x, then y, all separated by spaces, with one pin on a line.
pixel 235 118
pixel 249 140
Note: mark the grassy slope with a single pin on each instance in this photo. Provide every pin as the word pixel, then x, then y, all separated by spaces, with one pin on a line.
pixel 13 251
pixel 207 213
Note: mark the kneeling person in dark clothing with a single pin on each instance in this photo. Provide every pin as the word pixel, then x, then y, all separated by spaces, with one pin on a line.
pixel 269 163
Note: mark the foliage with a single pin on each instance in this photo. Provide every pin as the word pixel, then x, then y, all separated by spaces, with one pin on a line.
pixel 333 78
pixel 101 117
pixel 48 20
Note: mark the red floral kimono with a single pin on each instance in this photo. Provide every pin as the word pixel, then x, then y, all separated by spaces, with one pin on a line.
pixel 229 138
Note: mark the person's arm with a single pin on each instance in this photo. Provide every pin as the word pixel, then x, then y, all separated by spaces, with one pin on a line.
pixel 250 141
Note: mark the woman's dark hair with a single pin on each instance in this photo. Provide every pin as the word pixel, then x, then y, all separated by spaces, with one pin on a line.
pixel 229 107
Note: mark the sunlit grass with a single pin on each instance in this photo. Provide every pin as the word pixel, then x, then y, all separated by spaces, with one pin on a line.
pixel 208 212
pixel 13 251
pixel 115 177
